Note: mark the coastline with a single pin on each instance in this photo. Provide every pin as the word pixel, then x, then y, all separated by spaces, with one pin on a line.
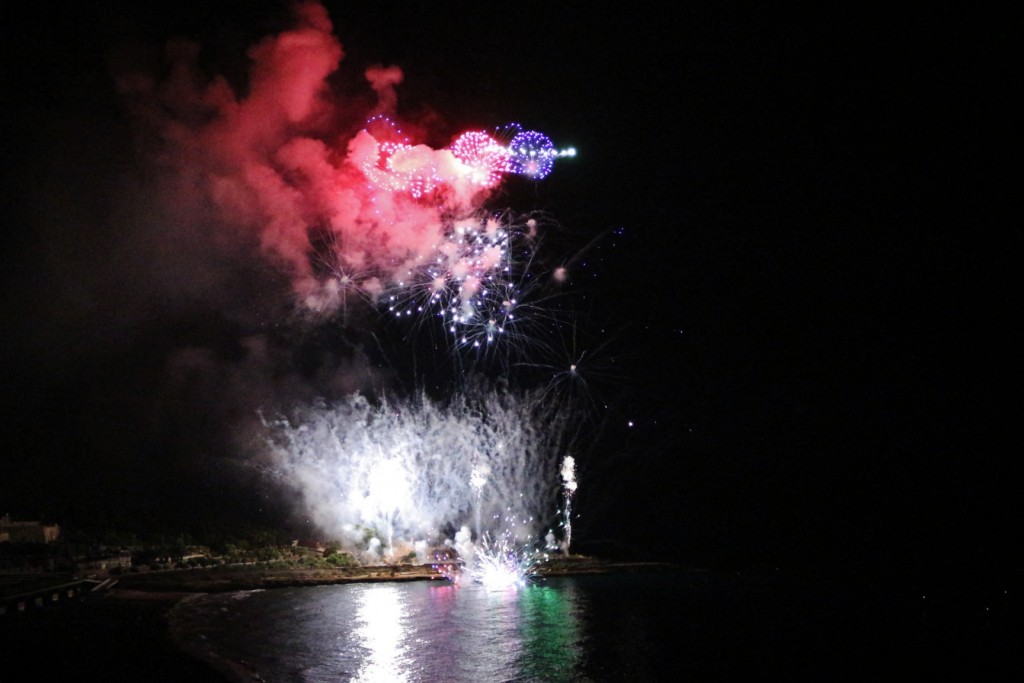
pixel 222 579
pixel 124 632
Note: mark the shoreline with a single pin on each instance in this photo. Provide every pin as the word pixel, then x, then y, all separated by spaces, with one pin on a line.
pixel 221 579
pixel 172 588
pixel 125 629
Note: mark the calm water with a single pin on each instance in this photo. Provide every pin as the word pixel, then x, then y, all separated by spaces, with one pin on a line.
pixel 623 627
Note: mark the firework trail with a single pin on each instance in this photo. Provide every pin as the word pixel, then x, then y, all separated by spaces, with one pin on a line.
pixel 569 488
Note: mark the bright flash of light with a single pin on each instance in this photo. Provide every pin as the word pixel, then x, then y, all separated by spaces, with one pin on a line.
pixel 404 471
pixel 502 563
pixel 478 477
pixel 494 564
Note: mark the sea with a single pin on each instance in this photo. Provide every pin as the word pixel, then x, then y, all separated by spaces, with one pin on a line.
pixel 669 625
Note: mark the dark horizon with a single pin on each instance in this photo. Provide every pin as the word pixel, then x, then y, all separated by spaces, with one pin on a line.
pixel 799 275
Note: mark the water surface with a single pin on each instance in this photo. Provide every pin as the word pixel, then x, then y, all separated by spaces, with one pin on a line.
pixel 617 627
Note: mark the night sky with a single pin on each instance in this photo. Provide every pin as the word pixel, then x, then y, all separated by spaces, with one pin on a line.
pixel 798 274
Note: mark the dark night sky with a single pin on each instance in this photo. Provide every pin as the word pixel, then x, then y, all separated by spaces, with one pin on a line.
pixel 803 271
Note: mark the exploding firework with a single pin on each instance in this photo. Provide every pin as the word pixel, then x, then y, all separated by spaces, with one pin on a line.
pixel 472 257
pixel 497 564
pixel 474 275
pixel 403 472
pixel 531 153
pixel 481 158
pixel 485 161
pixel 501 564
pixel 486 291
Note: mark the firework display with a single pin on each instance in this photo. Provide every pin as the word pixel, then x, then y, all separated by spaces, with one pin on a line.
pixel 366 226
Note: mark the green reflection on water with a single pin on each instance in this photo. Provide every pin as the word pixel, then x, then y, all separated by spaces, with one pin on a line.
pixel 550 630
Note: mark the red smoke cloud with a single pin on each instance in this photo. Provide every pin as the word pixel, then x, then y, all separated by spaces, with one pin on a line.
pixel 270 165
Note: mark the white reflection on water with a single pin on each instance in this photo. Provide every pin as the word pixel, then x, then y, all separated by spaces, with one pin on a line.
pixel 411 632
pixel 381 631
pixel 487 643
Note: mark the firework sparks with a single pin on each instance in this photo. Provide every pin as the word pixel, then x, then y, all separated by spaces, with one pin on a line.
pixel 568 489
pixel 502 565
pixel 496 564
pixel 475 156
pixel 403 472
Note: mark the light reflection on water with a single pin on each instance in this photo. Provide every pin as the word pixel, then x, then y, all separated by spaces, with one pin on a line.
pixel 381 631
pixel 660 626
pixel 420 631
pixel 551 631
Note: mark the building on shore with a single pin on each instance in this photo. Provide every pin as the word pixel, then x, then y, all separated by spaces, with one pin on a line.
pixel 27 532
